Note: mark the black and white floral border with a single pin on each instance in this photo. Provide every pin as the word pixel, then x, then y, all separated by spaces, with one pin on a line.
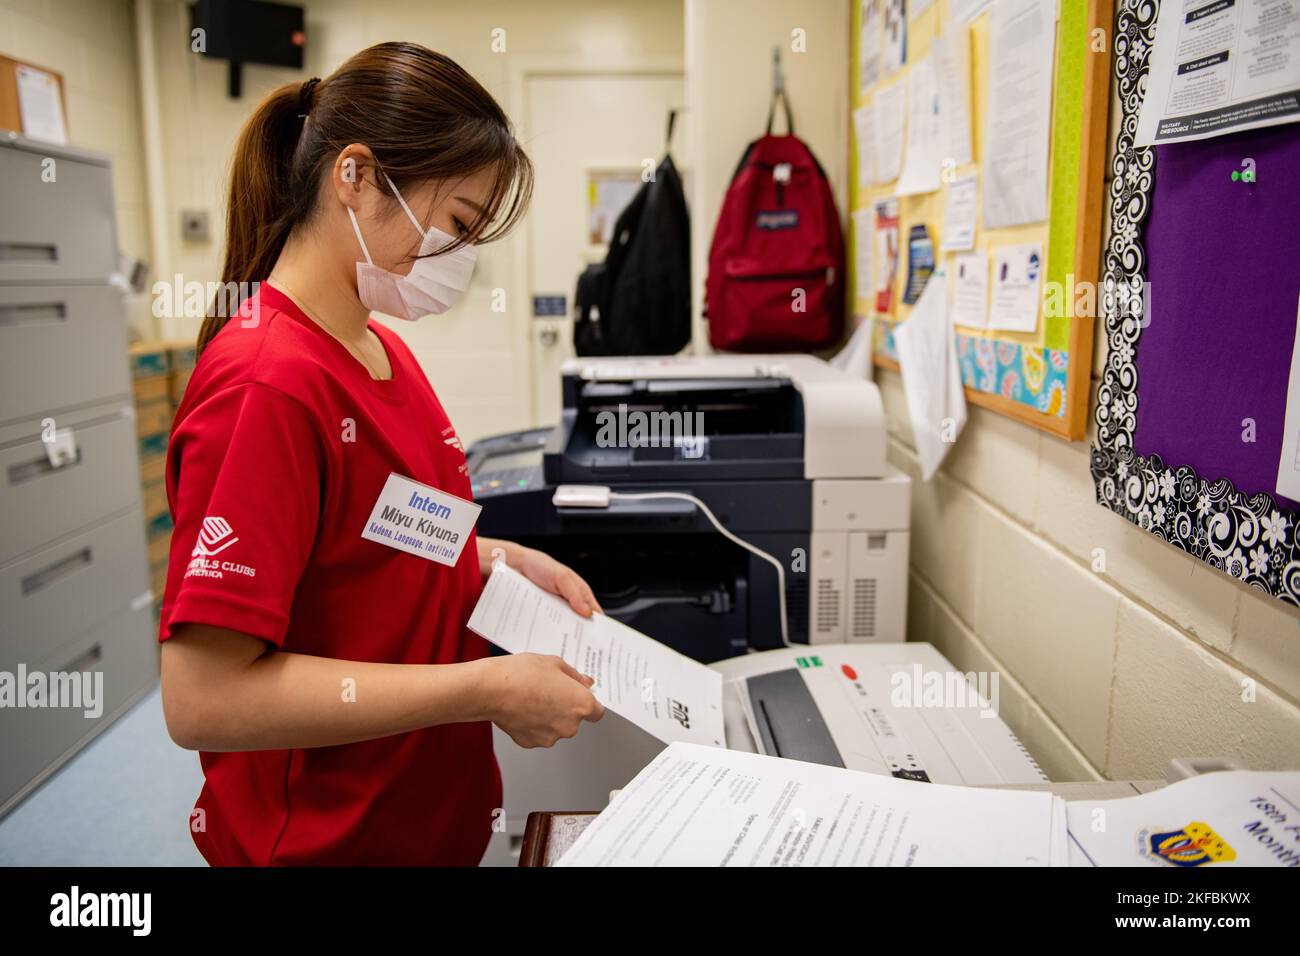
pixel 1251 538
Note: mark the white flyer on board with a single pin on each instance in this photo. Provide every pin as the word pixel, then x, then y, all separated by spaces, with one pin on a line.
pixel 1022 41
pixel 888 114
pixel 1221 66
pixel 970 290
pixel 1017 276
pixel 864 135
pixel 927 355
pixel 952 64
pixel 961 213
pixel 924 131
pixel 663 692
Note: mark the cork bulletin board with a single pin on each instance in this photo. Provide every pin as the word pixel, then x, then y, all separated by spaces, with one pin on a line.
pixel 1042 377
pixel 1192 406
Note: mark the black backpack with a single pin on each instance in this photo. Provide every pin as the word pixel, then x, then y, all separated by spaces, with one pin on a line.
pixel 639 301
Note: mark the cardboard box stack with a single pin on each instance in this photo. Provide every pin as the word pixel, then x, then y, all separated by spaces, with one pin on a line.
pixel 159 373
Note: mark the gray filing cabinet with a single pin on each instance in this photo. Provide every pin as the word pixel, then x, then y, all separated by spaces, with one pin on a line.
pixel 74 581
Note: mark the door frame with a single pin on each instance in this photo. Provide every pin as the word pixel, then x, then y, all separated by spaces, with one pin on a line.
pixel 521 70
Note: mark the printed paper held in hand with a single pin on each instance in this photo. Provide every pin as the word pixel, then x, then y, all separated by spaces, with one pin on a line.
pixel 701 806
pixel 664 693
pixel 927 354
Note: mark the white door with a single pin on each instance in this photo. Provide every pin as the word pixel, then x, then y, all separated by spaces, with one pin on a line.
pixel 576 127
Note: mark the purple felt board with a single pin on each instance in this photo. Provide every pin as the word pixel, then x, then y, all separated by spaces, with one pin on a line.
pixel 1224 266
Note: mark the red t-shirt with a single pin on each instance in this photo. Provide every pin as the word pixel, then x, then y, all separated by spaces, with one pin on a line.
pixel 278 451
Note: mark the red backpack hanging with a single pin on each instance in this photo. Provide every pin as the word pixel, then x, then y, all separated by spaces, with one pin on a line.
pixel 776 268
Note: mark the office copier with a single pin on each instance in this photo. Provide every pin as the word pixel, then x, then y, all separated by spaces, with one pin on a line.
pixel 787 451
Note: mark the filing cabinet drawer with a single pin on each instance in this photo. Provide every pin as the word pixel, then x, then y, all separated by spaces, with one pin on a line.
pixel 34 740
pixel 59 593
pixel 60 346
pixel 40 503
pixel 55 231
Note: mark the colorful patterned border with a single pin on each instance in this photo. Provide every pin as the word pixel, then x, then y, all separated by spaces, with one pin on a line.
pixel 1032 376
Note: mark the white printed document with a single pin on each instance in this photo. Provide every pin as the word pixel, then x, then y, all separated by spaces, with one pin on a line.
pixel 1288 468
pixel 888 114
pixel 1022 44
pixel 1218 67
pixel 952 55
pixel 864 129
pixel 970 290
pixel 1017 277
pixel 663 692
pixel 927 355
pixel 701 806
pixel 961 214
pixel 1233 817
pixel 924 131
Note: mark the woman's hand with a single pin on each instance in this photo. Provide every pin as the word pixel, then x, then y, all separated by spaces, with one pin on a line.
pixel 538 699
pixel 543 570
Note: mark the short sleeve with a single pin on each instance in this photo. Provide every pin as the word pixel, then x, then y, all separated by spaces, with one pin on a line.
pixel 245 473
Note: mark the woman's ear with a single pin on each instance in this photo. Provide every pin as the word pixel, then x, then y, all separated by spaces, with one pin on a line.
pixel 349 172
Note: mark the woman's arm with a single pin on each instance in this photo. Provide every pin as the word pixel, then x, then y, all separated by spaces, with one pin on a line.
pixel 540 568
pixel 225 691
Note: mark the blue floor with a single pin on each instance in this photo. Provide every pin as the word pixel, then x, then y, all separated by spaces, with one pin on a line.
pixel 123 801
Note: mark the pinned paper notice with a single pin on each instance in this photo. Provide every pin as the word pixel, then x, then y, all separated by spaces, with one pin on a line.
pixel 970 290
pixel 960 214
pixel 924 133
pixel 887 113
pixel 927 354
pixel 864 132
pixel 41 105
pixel 1017 273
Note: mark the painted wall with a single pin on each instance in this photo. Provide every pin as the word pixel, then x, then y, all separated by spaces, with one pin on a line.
pixel 729 86
pixel 477 359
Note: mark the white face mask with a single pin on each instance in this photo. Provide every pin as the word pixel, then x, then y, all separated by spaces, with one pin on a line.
pixel 434 284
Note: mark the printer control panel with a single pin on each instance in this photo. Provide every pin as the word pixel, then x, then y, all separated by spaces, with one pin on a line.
pixel 507 464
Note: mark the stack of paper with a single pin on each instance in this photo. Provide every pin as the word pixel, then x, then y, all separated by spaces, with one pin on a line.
pixel 700 806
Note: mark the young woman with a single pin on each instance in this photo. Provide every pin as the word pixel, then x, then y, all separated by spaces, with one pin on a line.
pixel 342 708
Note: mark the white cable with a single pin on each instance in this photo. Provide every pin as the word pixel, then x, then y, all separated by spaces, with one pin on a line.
pixel 683 496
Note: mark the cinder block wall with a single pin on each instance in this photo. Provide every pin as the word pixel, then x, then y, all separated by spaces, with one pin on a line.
pixel 1103 674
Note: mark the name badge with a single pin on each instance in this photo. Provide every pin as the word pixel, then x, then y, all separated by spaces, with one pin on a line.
pixel 421 520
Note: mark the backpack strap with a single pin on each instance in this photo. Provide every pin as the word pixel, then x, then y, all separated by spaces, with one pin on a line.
pixel 771 112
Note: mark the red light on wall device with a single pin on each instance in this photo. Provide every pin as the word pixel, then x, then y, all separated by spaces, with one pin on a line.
pixel 298 38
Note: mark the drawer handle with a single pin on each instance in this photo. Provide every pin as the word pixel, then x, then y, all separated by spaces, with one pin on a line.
pixel 28 252
pixel 31 313
pixel 94 653
pixel 56 571
pixel 37 468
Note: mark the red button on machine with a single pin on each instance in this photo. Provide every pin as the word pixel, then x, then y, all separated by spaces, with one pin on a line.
pixel 849 672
